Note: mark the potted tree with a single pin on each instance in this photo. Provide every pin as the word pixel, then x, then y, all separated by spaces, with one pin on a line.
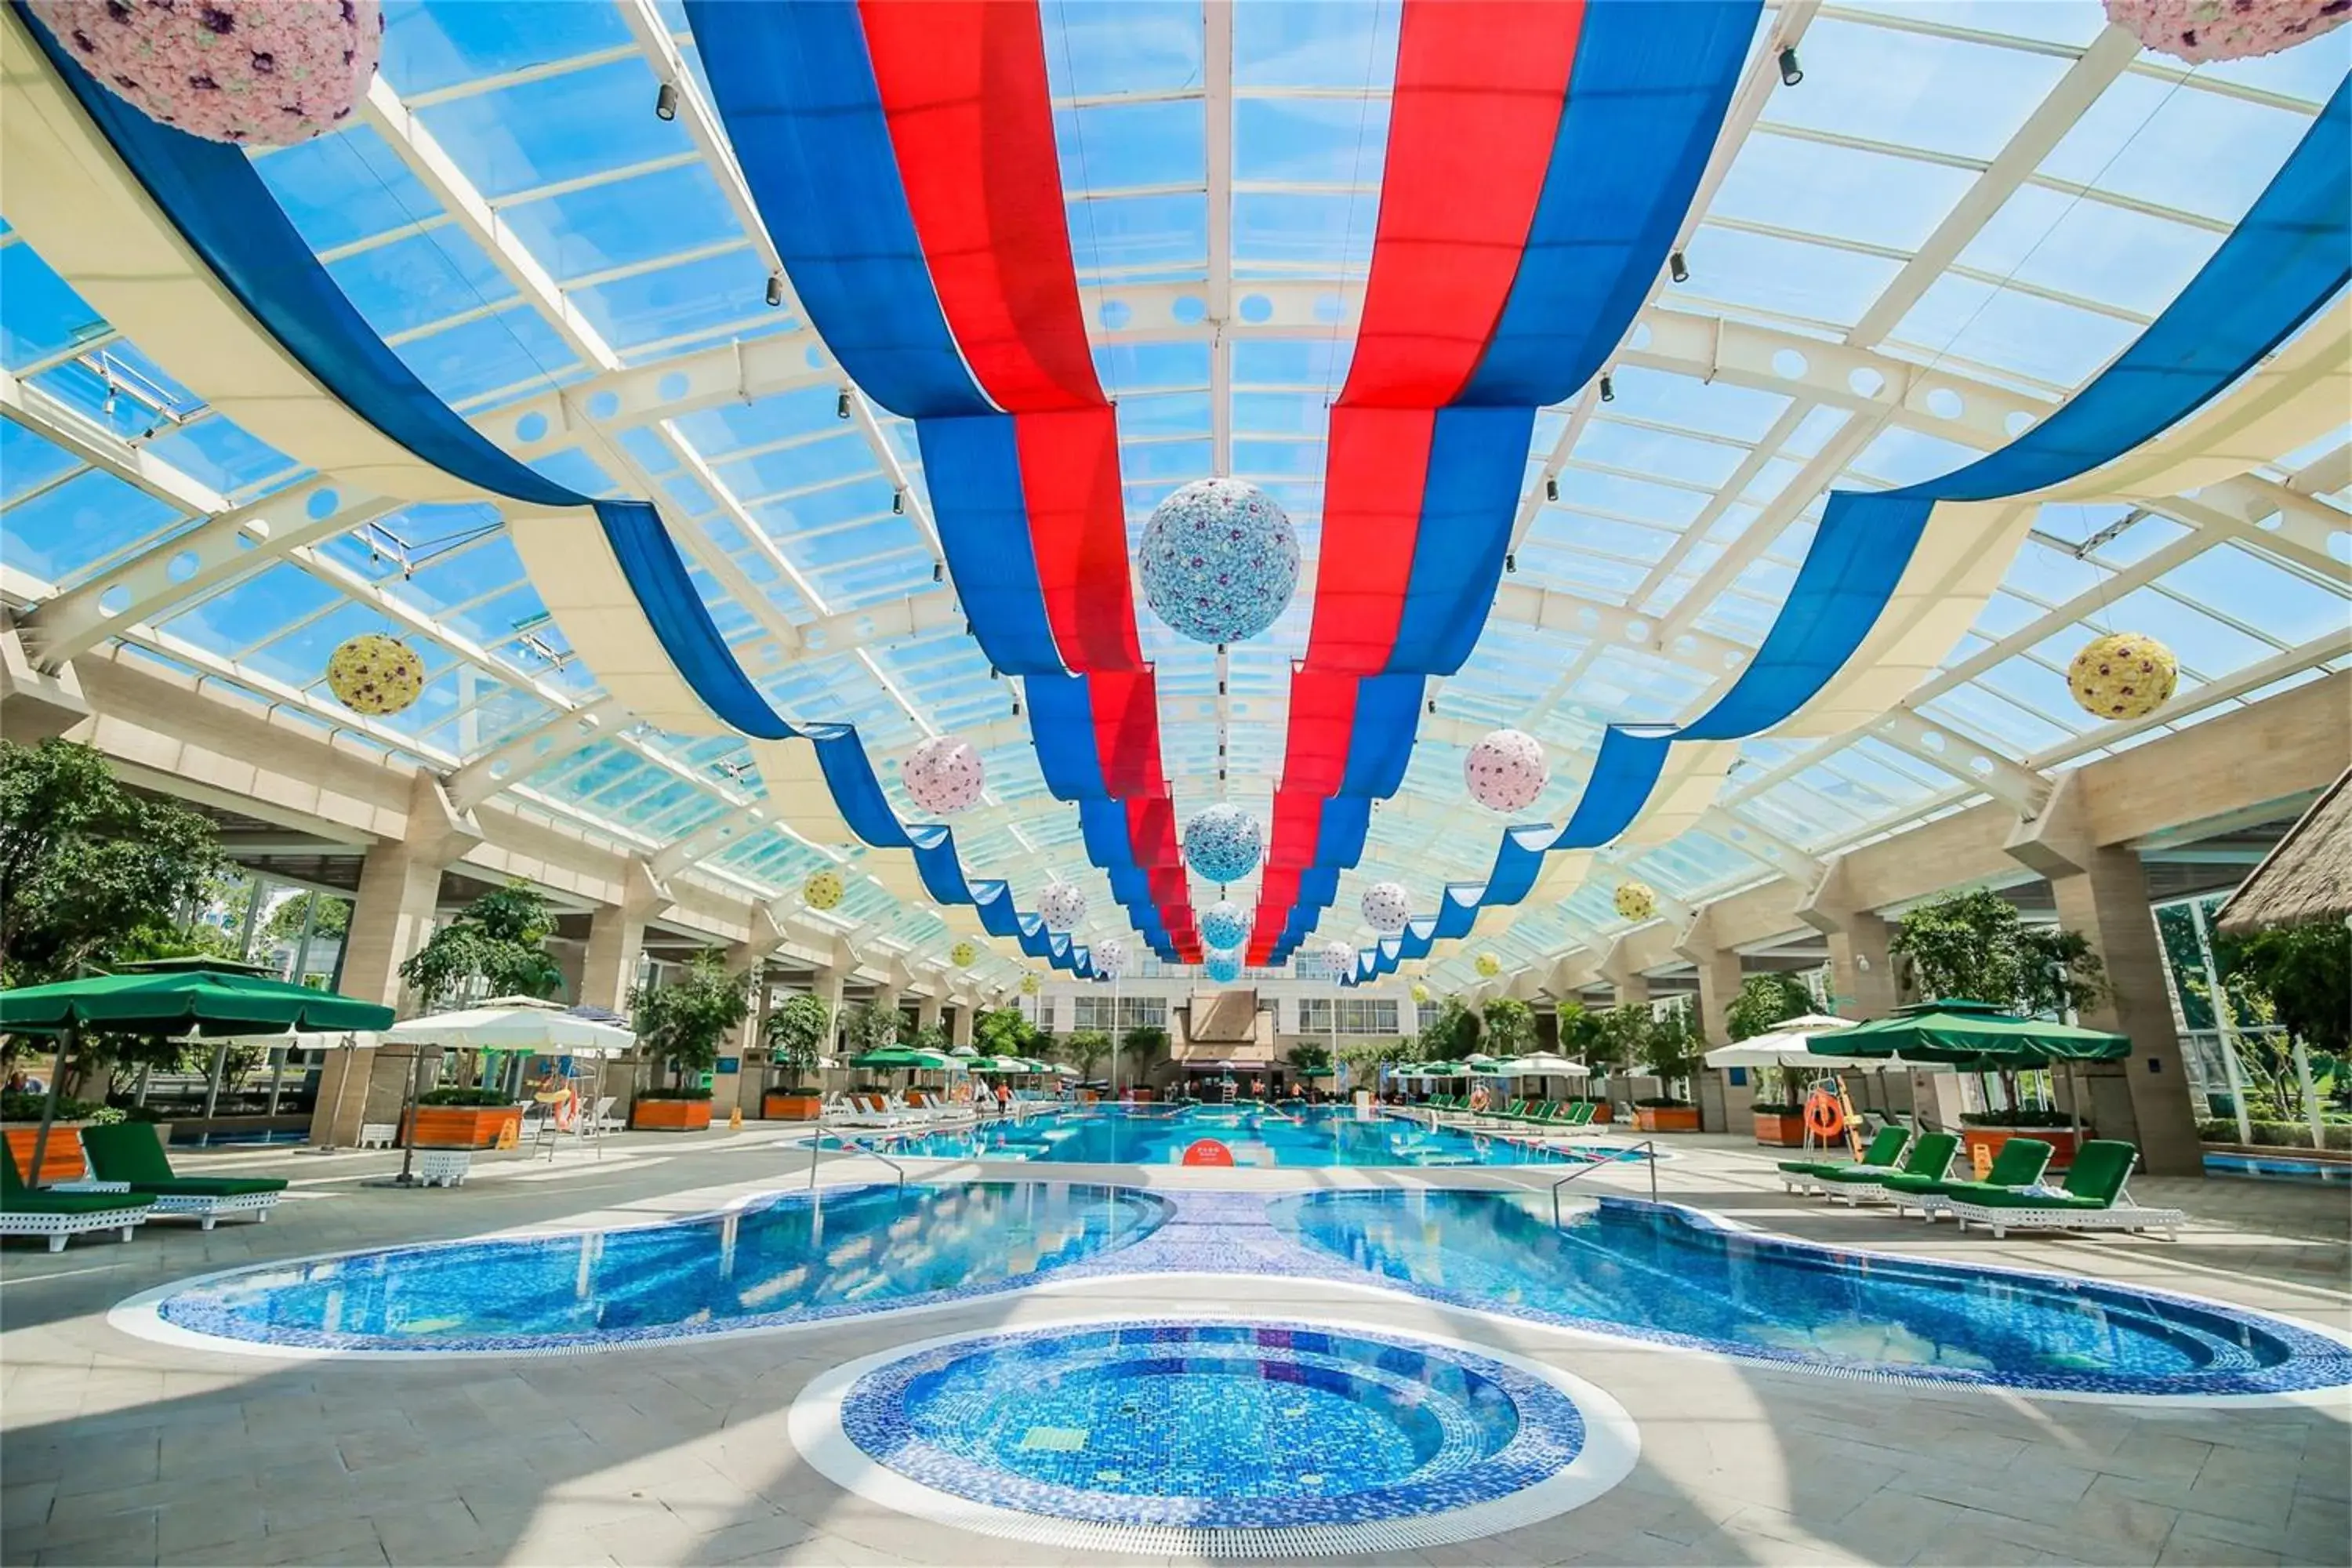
pixel 682 1024
pixel 1086 1048
pixel 492 948
pixel 1670 1049
pixel 795 1037
pixel 1138 1046
pixel 1765 1000
pixel 1975 944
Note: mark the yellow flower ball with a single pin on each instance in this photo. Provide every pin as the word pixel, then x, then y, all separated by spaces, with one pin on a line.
pixel 961 955
pixel 822 890
pixel 1489 965
pixel 1028 985
pixel 1420 993
pixel 2123 675
pixel 1636 900
pixel 375 674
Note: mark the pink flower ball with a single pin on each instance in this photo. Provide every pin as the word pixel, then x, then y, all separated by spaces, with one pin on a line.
pixel 2201 30
pixel 1505 770
pixel 260 73
pixel 943 775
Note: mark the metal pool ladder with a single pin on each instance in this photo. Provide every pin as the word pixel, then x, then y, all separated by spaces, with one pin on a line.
pixel 816 1143
pixel 1649 1144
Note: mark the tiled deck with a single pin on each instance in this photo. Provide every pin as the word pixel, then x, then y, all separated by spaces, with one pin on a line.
pixel 116 1450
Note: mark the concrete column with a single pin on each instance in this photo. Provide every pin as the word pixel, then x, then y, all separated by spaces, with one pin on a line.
pixel 616 939
pixel 1628 984
pixel 751 1053
pixel 36 704
pixel 391 918
pixel 928 1012
pixel 960 1032
pixel 1861 970
pixel 826 986
pixel 886 997
pixel 2102 892
pixel 1718 977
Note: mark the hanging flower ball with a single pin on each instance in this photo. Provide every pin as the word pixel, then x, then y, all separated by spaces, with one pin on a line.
pixel 2201 30
pixel 1341 957
pixel 962 954
pixel 260 73
pixel 1386 907
pixel 1223 925
pixel 1063 905
pixel 1224 968
pixel 1635 900
pixel 1224 843
pixel 2123 675
pixel 375 674
pixel 1028 985
pixel 822 890
pixel 1111 956
pixel 1219 561
pixel 1489 965
pixel 1420 993
pixel 943 775
pixel 1505 770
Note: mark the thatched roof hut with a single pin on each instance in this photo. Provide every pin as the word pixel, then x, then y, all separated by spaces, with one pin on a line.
pixel 2307 875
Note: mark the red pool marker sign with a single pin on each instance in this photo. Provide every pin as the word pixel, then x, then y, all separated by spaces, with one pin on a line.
pixel 1207 1151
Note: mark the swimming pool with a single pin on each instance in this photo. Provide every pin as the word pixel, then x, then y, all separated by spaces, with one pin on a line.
pixel 1665 1274
pixel 1309 1136
pixel 786 1259
pixel 1214 1436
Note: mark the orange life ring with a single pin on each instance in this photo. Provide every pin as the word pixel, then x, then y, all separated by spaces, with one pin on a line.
pixel 1824 1115
pixel 963 1092
pixel 1478 1098
pixel 567 1111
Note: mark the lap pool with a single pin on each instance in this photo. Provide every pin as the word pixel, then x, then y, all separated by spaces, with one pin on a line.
pixel 1666 1275
pixel 788 1259
pixel 1308 1137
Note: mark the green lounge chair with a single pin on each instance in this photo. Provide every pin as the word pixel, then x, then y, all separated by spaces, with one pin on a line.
pixel 2019 1164
pixel 1574 1118
pixel 1805 1175
pixel 36 1210
pixel 1931 1156
pixel 130 1151
pixel 2093 1198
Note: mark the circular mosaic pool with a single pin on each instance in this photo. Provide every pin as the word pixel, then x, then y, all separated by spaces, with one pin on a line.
pixel 1212 1437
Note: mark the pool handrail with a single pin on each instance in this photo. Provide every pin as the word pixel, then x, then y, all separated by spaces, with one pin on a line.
pixel 1649 1144
pixel 816 1145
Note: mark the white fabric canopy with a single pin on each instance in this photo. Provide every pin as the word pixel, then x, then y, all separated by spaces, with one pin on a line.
pixel 1785 1047
pixel 1545 1063
pixel 515 1024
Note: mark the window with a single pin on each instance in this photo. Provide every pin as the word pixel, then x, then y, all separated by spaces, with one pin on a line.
pixel 1134 1012
pixel 1358 1015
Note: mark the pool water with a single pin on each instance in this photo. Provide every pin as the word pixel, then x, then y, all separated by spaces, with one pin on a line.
pixel 1658 1273
pixel 1216 1425
pixel 1306 1136
pixel 803 1255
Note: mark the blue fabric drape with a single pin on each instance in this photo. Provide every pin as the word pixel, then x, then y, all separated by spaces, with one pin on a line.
pixel 212 195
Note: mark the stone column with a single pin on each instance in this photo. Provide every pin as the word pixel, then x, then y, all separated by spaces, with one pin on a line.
pixel 2102 892
pixel 826 986
pixel 1719 984
pixel 1861 971
pixel 928 1012
pixel 616 939
pixel 961 1031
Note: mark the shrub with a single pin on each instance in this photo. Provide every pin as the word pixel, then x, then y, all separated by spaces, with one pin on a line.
pixel 2016 1118
pixel 1762 1108
pixel 454 1096
pixel 27 1108
pixel 688 1092
pixel 1661 1103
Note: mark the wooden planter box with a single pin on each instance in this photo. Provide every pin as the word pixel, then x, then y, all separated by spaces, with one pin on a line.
pixel 468 1126
pixel 670 1115
pixel 60 1162
pixel 1780 1131
pixel 1604 1111
pixel 1989 1138
pixel 1666 1118
pixel 789 1105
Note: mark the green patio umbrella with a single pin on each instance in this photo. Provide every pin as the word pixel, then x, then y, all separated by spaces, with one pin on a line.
pixel 173 996
pixel 1975 1036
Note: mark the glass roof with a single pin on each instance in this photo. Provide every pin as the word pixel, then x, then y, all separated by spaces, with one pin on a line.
pixel 1685 502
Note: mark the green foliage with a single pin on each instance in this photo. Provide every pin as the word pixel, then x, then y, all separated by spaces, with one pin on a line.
pixel 931 1037
pixel 1086 1048
pixel 1004 1032
pixel 284 922
pixel 678 1091
pixel 870 1026
pixel 1141 1043
pixel 90 873
pixel 1672 1045
pixel 1976 945
pixel 1450 1035
pixel 1617 1037
pixel 1763 1001
pixel 495 941
pixel 1510 1027
pixel 2305 975
pixel 682 1022
pixel 795 1034
pixel 2017 1116
pixel 19 1107
pixel 1579 1027
pixel 1307 1057
pixel 465 1097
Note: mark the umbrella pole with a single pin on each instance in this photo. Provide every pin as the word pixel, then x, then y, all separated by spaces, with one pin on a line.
pixel 67 1039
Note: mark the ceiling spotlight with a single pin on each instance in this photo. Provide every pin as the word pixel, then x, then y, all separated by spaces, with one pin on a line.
pixel 898 505
pixel 1677 268
pixel 775 290
pixel 840 404
pixel 1016 707
pixel 1792 73
pixel 939 574
pixel 1511 561
pixel 1551 487
pixel 666 101
pixel 108 407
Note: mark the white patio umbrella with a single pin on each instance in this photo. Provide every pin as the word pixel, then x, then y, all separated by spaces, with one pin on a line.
pixel 1785 1045
pixel 1544 1064
pixel 515 1024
